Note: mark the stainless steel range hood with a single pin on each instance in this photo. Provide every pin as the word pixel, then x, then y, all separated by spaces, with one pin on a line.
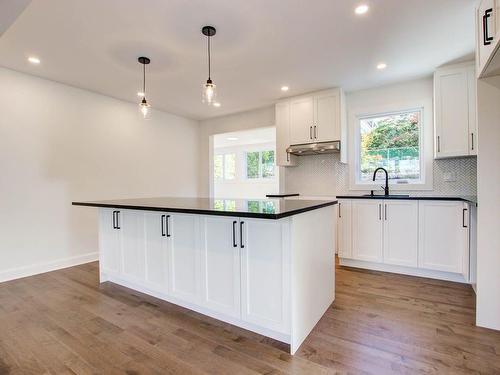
pixel 317 148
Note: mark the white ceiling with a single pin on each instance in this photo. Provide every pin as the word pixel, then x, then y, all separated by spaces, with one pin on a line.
pixel 260 45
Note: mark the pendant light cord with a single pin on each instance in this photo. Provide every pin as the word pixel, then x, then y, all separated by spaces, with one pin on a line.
pixel 144 79
pixel 208 57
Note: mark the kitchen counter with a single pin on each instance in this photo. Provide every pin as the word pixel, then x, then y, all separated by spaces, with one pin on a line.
pixel 465 198
pixel 252 208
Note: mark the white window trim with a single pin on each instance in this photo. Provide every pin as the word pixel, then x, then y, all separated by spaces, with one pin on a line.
pixel 426 144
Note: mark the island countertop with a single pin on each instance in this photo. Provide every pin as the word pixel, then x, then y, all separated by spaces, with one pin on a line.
pixel 253 208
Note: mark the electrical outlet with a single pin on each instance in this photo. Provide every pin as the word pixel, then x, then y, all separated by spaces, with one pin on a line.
pixel 450 176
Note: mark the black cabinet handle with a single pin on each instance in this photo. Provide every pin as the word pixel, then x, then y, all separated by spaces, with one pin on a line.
pixel 241 234
pixel 118 220
pixel 315 135
pixel 463 218
pixel 162 226
pixel 114 219
pixel 385 212
pixel 340 216
pixel 439 145
pixel 234 234
pixel 380 212
pixel 310 132
pixel 167 221
pixel 486 38
pixel 472 138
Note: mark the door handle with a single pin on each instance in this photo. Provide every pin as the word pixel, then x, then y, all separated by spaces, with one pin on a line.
pixel 234 234
pixel 167 221
pixel 114 219
pixel 315 135
pixel 241 234
pixel 380 211
pixel 486 38
pixel 439 145
pixel 385 211
pixel 340 216
pixel 310 132
pixel 463 218
pixel 162 220
pixel 472 139
pixel 118 220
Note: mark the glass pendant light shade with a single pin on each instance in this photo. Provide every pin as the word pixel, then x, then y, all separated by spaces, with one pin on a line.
pixel 145 108
pixel 209 93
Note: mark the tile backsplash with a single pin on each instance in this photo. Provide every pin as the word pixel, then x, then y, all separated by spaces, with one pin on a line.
pixel 324 175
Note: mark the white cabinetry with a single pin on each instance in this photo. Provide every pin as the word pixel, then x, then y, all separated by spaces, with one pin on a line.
pixel 367 230
pixel 132 245
pixel 488 38
pixel 316 117
pixel 444 236
pixel 221 264
pixel 109 239
pixel 400 232
pixel 157 251
pixel 265 268
pixel 455 111
pixel 344 229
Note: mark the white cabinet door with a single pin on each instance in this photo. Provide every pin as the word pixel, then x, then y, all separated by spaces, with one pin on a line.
pixel 451 112
pixel 443 236
pixel 282 113
pixel 344 229
pixel 109 242
pixel 301 120
pixel 131 225
pixel 472 98
pixel 487 34
pixel 367 230
pixel 327 117
pixel 401 232
pixel 156 251
pixel 184 256
pixel 221 264
pixel 265 274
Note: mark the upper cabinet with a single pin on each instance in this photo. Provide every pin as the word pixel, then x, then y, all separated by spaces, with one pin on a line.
pixel 455 111
pixel 488 38
pixel 312 118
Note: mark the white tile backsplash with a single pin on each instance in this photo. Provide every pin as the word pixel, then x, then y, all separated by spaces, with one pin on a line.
pixel 325 175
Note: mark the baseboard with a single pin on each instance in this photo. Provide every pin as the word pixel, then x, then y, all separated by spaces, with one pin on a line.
pixel 35 269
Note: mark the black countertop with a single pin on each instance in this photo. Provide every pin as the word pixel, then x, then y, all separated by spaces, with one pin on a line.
pixel 256 208
pixel 465 198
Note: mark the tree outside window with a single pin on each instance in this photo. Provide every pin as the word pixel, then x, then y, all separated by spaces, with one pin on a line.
pixel 260 164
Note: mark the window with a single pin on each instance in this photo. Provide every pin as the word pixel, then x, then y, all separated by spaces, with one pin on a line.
pixel 225 166
pixel 260 164
pixel 391 141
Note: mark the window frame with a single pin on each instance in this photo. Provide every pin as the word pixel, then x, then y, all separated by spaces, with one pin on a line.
pixel 425 145
pixel 260 177
pixel 223 155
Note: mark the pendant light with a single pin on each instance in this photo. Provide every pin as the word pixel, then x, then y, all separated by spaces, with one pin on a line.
pixel 144 105
pixel 209 92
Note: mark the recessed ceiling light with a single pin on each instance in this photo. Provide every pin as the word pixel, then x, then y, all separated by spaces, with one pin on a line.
pixel 216 104
pixel 141 94
pixel 284 88
pixel 34 60
pixel 381 66
pixel 361 9
pixel 232 138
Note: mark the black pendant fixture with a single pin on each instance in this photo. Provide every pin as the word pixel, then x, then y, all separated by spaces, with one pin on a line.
pixel 144 105
pixel 209 93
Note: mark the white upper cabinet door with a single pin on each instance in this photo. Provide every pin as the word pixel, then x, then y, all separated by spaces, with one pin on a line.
pixel 443 236
pixel 109 242
pixel 301 120
pixel 184 256
pixel 488 32
pixel 344 229
pixel 472 95
pixel 157 251
pixel 451 112
pixel 265 267
pixel 401 232
pixel 367 228
pixel 221 265
pixel 283 158
pixel 131 225
pixel 327 117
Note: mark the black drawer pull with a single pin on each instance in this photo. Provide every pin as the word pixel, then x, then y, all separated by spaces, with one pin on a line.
pixel 241 234
pixel 162 220
pixel 486 38
pixel 167 220
pixel 463 218
pixel 234 234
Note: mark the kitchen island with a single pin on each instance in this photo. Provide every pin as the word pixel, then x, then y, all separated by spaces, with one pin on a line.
pixel 263 265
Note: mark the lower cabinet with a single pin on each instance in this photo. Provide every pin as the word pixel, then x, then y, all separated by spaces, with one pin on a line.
pixel 427 234
pixel 131 225
pixel 110 240
pixel 367 230
pixel 157 251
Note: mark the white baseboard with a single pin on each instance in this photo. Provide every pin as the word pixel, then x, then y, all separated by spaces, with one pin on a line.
pixel 35 269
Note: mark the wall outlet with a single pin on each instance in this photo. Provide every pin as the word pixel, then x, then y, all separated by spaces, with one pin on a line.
pixel 450 176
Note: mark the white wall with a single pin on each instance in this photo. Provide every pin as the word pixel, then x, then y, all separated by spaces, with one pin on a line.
pixel 488 220
pixel 258 118
pixel 60 144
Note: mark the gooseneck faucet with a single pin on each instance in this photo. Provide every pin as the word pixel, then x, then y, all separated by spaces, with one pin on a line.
pixel 386 188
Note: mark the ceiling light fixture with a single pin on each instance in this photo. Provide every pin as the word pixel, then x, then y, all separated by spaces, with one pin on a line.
pixel 144 105
pixel 34 60
pixel 361 9
pixel 232 138
pixel 209 91
pixel 284 88
pixel 216 104
pixel 381 66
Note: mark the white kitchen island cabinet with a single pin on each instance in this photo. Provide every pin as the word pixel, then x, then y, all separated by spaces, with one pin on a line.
pixel 263 265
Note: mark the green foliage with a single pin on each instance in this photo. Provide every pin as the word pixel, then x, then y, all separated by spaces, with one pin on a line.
pixel 253 164
pixel 392 132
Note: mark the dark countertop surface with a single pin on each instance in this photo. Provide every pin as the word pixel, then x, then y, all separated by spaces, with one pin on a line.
pixel 256 208
pixel 464 198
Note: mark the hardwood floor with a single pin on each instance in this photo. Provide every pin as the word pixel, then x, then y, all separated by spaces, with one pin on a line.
pixel 64 322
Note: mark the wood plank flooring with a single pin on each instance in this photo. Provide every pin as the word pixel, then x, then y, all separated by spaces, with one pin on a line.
pixel 65 322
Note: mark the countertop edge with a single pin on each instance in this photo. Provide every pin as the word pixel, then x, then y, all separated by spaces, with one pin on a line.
pixel 208 212
pixel 421 198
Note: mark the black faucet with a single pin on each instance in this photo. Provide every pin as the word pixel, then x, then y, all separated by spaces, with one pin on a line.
pixel 386 188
